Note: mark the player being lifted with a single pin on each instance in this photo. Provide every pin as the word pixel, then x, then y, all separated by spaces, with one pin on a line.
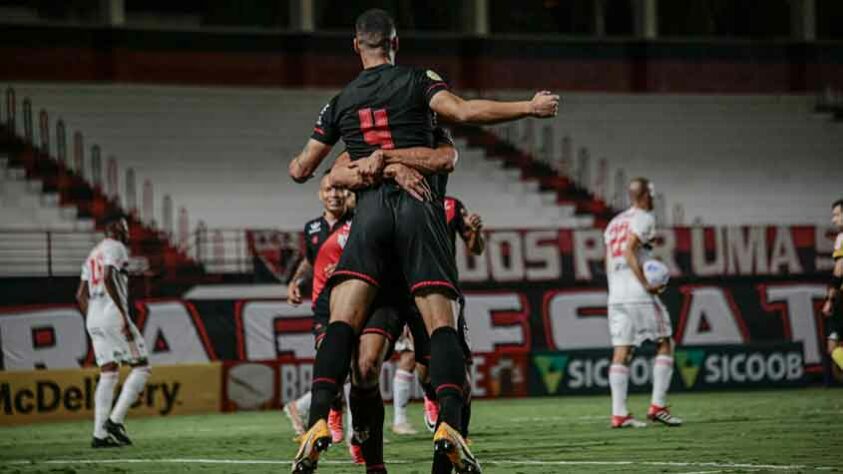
pixel 335 214
pixel 636 313
pixel 392 309
pixel 832 308
pixel 390 107
pixel 103 297
pixel 469 227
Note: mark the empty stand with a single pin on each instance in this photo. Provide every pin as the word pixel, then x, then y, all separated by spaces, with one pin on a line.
pixel 731 160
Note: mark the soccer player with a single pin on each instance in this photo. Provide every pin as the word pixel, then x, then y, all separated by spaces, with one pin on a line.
pixel 636 313
pixel 335 214
pixel 469 227
pixel 831 308
pixel 103 295
pixel 387 108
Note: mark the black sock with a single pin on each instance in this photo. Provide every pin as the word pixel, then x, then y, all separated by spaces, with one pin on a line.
pixel 429 391
pixel 441 464
pixel 466 418
pixel 447 373
pixel 367 413
pixel 330 369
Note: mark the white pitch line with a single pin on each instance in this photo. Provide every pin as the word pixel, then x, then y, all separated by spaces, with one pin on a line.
pixel 713 465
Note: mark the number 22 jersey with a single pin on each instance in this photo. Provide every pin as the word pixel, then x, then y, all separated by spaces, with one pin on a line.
pixel 624 287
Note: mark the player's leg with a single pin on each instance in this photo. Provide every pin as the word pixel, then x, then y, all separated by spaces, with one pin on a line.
pixel 375 346
pixel 834 345
pixel 622 330
pixel 298 411
pixel 103 399
pixel 402 388
pixel 662 365
pixel 106 348
pixel 132 387
pixel 421 349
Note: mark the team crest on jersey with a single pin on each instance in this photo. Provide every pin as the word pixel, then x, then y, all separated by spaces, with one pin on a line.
pixel 432 75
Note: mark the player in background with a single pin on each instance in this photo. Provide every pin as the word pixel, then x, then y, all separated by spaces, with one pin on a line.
pixel 103 296
pixel 832 308
pixel 390 107
pixel 336 213
pixel 636 313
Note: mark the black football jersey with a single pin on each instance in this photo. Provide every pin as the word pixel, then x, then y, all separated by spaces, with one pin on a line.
pixel 385 107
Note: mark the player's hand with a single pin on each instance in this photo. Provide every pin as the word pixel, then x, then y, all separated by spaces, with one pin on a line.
pixel 828 308
pixel 413 182
pixel 475 223
pixel 329 269
pixel 371 167
pixel 655 289
pixel 294 292
pixel 544 104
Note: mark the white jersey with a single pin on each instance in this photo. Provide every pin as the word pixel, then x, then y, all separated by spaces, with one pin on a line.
pixel 101 308
pixel 624 287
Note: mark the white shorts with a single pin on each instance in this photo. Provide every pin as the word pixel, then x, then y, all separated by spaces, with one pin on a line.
pixel 630 324
pixel 111 345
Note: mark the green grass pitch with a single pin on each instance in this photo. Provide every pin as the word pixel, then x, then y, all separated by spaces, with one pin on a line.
pixel 759 431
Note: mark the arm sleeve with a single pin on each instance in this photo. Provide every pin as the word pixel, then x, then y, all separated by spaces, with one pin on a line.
pixel 309 248
pixel 429 83
pixel 441 137
pixel 644 226
pixel 326 129
pixel 838 247
pixel 86 274
pixel 115 256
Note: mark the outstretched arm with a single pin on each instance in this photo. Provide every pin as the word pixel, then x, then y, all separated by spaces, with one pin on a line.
pixel 453 108
pixel 303 165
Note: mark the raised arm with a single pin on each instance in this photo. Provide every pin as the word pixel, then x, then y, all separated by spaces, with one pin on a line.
pixel 303 165
pixel 453 108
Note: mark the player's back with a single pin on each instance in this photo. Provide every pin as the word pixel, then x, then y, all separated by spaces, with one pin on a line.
pixel 623 285
pixel 386 107
pixel 108 252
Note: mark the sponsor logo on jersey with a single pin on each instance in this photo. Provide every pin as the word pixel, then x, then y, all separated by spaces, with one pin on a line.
pixel 314 227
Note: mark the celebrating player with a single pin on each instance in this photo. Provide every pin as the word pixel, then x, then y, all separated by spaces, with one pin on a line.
pixel 636 313
pixel 103 297
pixel 335 214
pixel 390 107
pixel 831 308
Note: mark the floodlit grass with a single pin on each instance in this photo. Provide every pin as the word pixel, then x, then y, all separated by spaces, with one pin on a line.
pixel 760 431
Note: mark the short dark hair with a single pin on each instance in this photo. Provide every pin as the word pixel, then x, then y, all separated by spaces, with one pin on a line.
pixel 374 28
pixel 113 218
pixel 838 202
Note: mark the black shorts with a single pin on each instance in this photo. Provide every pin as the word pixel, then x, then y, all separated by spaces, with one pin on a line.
pixel 390 227
pixel 385 317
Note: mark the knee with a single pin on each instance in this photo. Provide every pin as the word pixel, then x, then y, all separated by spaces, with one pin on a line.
pixel 622 355
pixel 368 368
pixel 109 367
pixel 665 346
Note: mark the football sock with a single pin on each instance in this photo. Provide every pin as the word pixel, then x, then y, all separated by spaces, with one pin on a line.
pixel 103 398
pixel 367 408
pixel 447 373
pixel 662 373
pixel 837 357
pixel 133 386
pixel 466 417
pixel 330 369
pixel 619 381
pixel 403 385
pixel 429 391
